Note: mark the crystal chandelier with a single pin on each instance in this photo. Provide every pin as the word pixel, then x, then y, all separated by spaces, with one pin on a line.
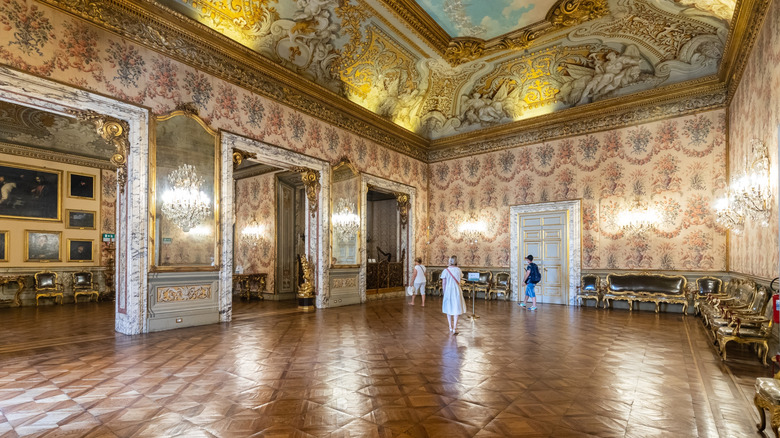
pixel 749 195
pixel 639 218
pixel 184 203
pixel 471 230
pixel 345 222
pixel 254 233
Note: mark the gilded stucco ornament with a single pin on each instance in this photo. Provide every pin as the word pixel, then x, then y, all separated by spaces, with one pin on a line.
pixel 569 13
pixel 311 180
pixel 462 50
pixel 116 133
pixel 306 289
pixel 403 207
pixel 239 156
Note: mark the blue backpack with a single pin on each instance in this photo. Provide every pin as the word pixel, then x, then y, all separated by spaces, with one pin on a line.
pixel 535 275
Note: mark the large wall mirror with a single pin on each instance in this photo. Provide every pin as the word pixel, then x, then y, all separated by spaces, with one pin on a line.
pixel 345 215
pixel 184 193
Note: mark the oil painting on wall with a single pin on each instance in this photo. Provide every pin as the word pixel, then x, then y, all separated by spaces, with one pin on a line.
pixel 30 192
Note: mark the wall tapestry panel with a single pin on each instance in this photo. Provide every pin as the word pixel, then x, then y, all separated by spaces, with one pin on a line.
pixel 59 47
pixel 755 113
pixel 255 200
pixel 677 165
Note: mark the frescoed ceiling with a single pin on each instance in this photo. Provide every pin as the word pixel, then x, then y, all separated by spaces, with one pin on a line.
pixel 440 68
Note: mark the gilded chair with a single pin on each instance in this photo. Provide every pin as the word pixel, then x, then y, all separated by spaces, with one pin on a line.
pixel 47 286
pixel 756 309
pixel 768 398
pixel 589 289
pixel 706 286
pixel 755 330
pixel 433 285
pixel 83 285
pixel 483 284
pixel 501 285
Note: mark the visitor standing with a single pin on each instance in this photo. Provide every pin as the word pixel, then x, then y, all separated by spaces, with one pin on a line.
pixel 418 281
pixel 453 304
pixel 532 277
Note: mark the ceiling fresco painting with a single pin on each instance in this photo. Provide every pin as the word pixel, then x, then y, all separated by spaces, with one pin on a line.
pixel 485 19
pixel 549 56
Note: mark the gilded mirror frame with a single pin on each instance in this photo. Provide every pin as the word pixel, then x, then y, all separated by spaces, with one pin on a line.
pixel 345 165
pixel 154 245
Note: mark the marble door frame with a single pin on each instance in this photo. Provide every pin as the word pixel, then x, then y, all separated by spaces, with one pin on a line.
pixel 574 241
pixel 407 238
pixel 317 226
pixel 132 207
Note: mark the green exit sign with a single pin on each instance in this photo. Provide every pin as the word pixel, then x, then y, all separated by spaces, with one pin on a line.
pixel 167 240
pixel 107 237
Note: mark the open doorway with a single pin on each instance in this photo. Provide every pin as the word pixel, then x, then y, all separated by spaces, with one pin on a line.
pixel 385 254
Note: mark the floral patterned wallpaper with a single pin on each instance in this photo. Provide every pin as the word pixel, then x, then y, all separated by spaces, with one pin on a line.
pixel 755 113
pixel 677 165
pixel 48 43
pixel 256 200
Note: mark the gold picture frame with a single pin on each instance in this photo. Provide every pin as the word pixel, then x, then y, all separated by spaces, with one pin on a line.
pixel 85 185
pixel 39 246
pixel 79 249
pixel 29 194
pixel 78 219
pixel 4 236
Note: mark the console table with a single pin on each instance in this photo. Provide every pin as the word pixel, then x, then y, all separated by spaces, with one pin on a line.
pixel 245 282
pixel 19 280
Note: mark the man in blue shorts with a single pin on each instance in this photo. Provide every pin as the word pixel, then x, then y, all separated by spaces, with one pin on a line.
pixel 532 276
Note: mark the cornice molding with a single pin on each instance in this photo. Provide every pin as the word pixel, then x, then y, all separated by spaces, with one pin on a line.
pixel 421 23
pixel 57 157
pixel 746 26
pixel 166 31
pixel 601 116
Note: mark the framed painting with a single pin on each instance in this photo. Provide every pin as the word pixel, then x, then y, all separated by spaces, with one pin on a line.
pixel 80 250
pixel 42 246
pixel 81 185
pixel 3 246
pixel 81 219
pixel 30 192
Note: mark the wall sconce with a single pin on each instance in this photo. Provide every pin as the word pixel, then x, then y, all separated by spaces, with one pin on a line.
pixel 749 194
pixel 345 222
pixel 471 230
pixel 254 233
pixel 185 204
pixel 639 218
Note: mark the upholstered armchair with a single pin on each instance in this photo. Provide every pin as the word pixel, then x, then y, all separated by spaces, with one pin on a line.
pixel 706 286
pixel 83 285
pixel 501 285
pixel 755 330
pixel 483 284
pixel 47 286
pixel 433 285
pixel 589 289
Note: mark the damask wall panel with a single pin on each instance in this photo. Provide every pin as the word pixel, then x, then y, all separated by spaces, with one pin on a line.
pixel 49 43
pixel 255 200
pixel 755 113
pixel 677 165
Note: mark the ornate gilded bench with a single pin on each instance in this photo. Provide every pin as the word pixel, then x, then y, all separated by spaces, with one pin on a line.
pixel 645 287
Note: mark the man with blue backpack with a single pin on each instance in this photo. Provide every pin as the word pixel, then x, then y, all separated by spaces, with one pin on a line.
pixel 532 276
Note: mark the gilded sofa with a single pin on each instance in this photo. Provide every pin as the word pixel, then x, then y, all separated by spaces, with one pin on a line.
pixel 646 287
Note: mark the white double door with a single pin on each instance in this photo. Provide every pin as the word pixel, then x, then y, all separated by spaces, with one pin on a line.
pixel 543 235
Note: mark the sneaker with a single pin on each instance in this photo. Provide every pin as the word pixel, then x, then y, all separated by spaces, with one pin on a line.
pixel 532 308
pixel 521 304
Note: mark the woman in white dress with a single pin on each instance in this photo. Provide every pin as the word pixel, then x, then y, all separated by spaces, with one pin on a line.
pixel 418 280
pixel 453 303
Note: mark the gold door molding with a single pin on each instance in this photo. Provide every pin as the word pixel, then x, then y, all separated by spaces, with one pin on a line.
pixel 574 239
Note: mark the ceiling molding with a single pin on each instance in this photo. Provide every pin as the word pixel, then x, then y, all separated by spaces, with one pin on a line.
pixel 746 25
pixel 58 157
pixel 172 34
pixel 601 116
pixel 415 17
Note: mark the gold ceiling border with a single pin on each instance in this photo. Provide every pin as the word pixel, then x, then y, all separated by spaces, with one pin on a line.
pixel 611 114
pixel 172 34
pixel 748 21
pixel 58 157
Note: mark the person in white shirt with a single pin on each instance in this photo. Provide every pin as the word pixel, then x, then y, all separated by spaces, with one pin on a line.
pixel 418 281
pixel 453 304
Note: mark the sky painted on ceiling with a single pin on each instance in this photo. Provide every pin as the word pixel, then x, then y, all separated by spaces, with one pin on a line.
pixel 485 19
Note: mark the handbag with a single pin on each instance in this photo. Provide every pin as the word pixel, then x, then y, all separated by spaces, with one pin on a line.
pixel 409 290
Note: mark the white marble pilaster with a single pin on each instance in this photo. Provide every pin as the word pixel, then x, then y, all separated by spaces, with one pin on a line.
pixel 574 241
pixel 227 220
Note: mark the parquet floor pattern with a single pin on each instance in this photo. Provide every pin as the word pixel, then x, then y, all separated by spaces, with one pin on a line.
pixel 376 370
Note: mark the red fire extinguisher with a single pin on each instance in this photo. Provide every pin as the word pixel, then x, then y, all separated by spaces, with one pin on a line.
pixel 775 306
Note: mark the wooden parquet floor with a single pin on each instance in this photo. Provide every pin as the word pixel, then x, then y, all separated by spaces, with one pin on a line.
pixel 376 370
